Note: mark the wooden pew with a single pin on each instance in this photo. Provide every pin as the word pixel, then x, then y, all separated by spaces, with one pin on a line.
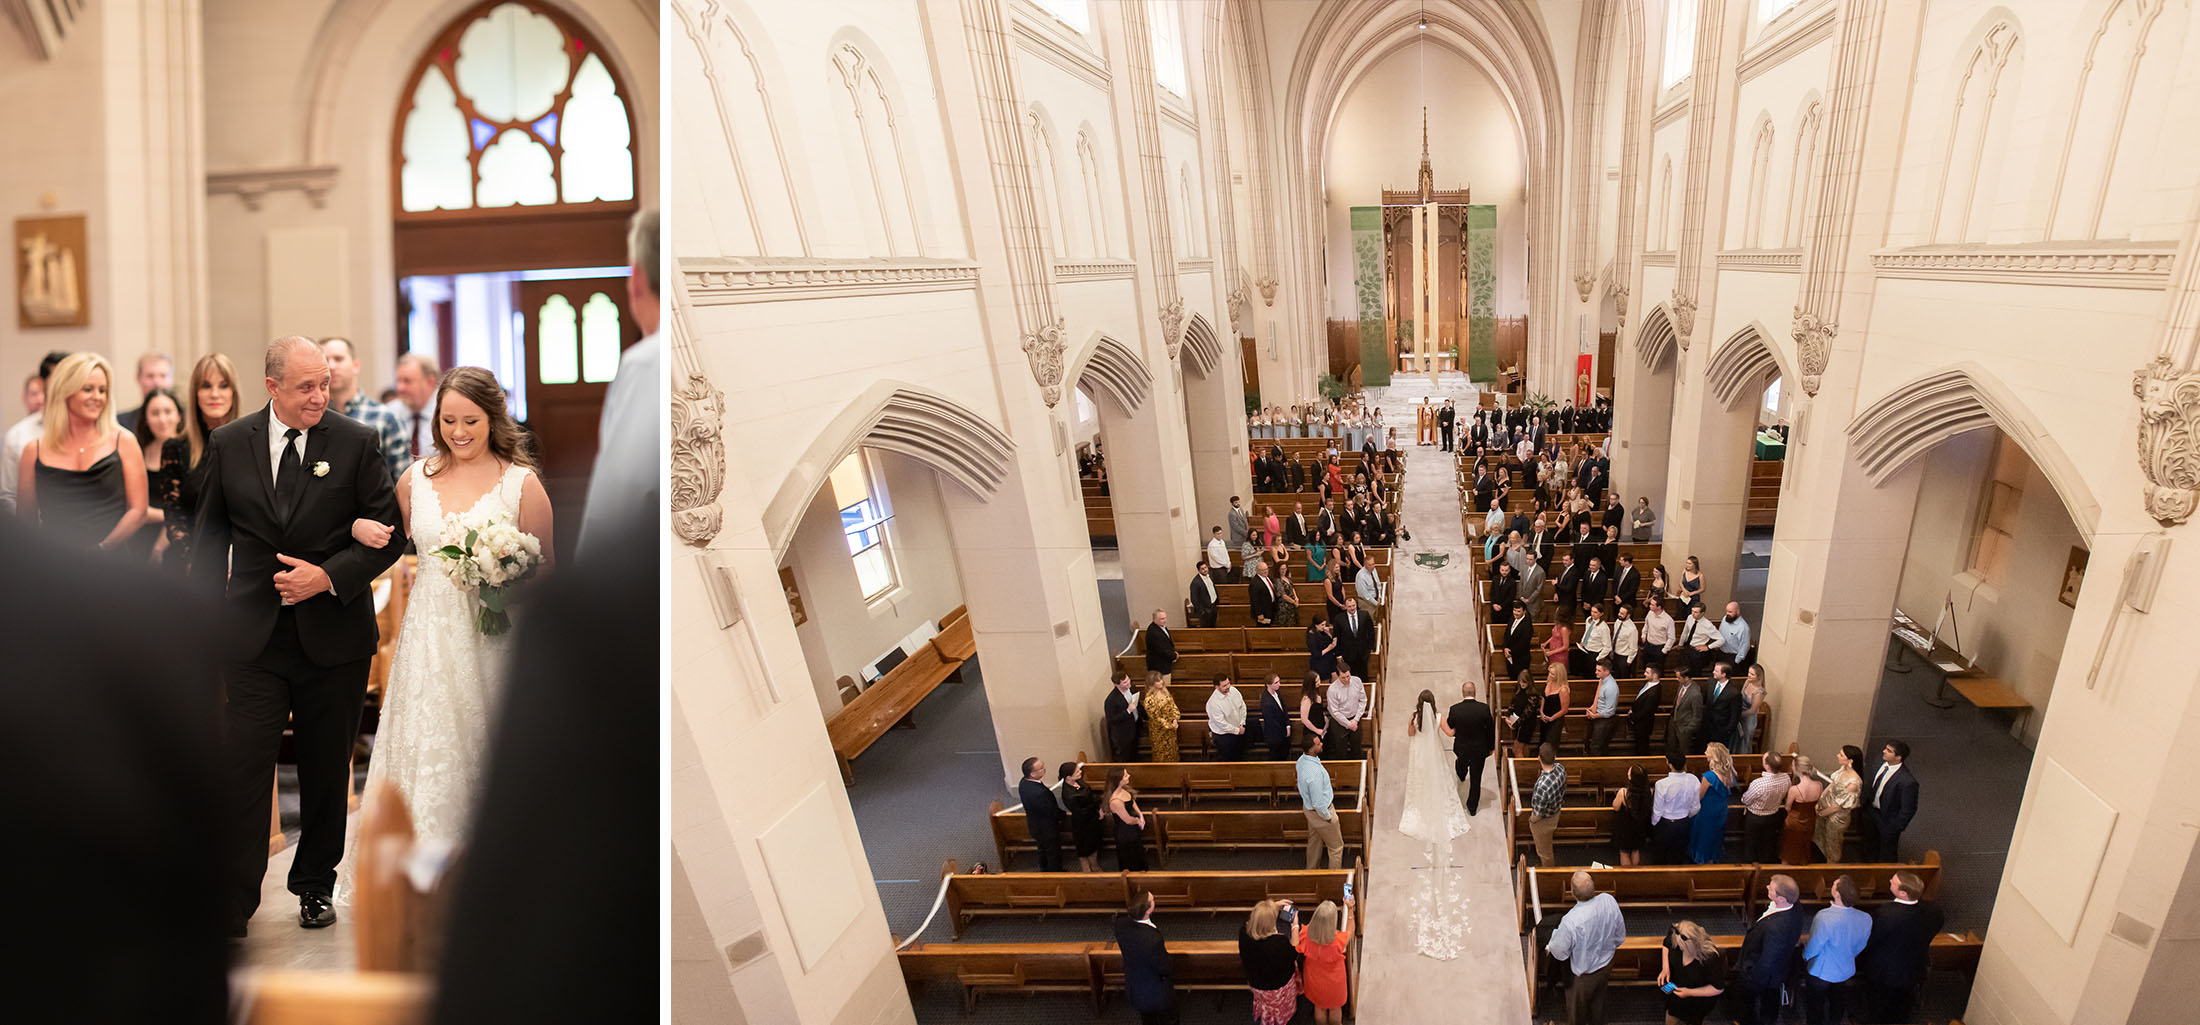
pixel 1167 830
pixel 1039 894
pixel 1598 779
pixel 331 998
pixel 1740 887
pixel 1244 665
pixel 1593 825
pixel 1188 782
pixel 1636 961
pixel 1003 967
pixel 1574 730
pixel 862 721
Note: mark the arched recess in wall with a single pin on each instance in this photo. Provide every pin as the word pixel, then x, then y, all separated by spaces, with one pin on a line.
pixel 2120 93
pixel 876 140
pixel 747 91
pixel 1907 422
pixel 1110 368
pixel 1046 173
pixel 1982 105
pixel 1202 350
pixel 1760 175
pixel 1665 205
pixel 1802 171
pixel 1742 366
pixel 1100 241
pixel 1654 344
pixel 898 417
pixel 1607 26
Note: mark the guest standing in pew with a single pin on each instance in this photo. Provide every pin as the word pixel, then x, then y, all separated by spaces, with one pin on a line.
pixel 1764 812
pixel 1260 593
pixel 1160 646
pixel 1722 706
pixel 1557 645
pixel 1843 793
pixel 1520 715
pixel 1271 964
pixel 1734 636
pixel 1707 835
pixel 1557 699
pixel 1626 642
pixel 1768 954
pixel 1674 802
pixel 1631 817
pixel 1657 627
pixel 1895 958
pixel 1473 734
pixel 1226 720
pixel 1218 556
pixel 1275 720
pixel 1544 803
pixel 1042 815
pixel 1161 719
pixel 1691 583
pixel 1691 972
pixel 1568 586
pixel 1128 822
pixel 1321 649
pixel 1240 527
pixel 1323 942
pixel 1837 934
pixel 1586 938
pixel 1314 706
pixel 1084 815
pixel 1347 704
pixel 1684 731
pixel 1626 580
pixel 1604 712
pixel 1355 636
pixel 1147 984
pixel 1642 714
pixel 1203 596
pixel 1287 593
pixel 1319 803
pixel 1504 589
pixel 1698 641
pixel 1121 710
pixel 1892 800
pixel 1519 640
pixel 1753 708
pixel 1802 812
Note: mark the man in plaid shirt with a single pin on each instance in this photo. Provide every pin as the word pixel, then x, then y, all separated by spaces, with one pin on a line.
pixel 344 395
pixel 1543 804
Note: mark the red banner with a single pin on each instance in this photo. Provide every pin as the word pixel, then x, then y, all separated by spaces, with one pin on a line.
pixel 1584 378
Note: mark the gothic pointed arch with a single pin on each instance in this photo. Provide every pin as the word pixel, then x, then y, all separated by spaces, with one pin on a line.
pixel 1654 342
pixel 1110 368
pixel 1202 350
pixel 1748 360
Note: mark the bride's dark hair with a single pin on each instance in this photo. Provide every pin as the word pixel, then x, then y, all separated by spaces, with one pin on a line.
pixel 1426 700
pixel 506 441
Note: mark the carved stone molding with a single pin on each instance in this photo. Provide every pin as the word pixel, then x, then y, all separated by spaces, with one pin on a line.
pixel 2123 266
pixel 1172 326
pixel 1684 318
pixel 1813 344
pixel 2169 438
pixel 1583 281
pixel 1194 265
pixel 1797 29
pixel 1094 270
pixel 1660 258
pixel 1789 260
pixel 726 281
pixel 1040 35
pixel 1619 299
pixel 252 187
pixel 1238 304
pixel 1044 349
pixel 1267 286
pixel 698 459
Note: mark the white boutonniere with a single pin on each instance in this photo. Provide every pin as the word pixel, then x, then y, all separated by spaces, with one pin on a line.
pixel 320 469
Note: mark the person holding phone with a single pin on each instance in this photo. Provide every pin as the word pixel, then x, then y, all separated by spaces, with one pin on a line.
pixel 1322 942
pixel 1691 974
pixel 1271 963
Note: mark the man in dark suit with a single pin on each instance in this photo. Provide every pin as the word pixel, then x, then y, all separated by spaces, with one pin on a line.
pixel 1891 797
pixel 1722 705
pixel 1540 542
pixel 1355 636
pixel 1519 641
pixel 1160 647
pixel 1294 475
pixel 1146 980
pixel 1478 431
pixel 1326 523
pixel 1294 529
pixel 1505 590
pixel 1627 583
pixel 1768 954
pixel 1684 734
pixel 283 487
pixel 1121 710
pixel 1203 595
pixel 1041 814
pixel 1261 592
pixel 1642 716
pixel 1445 418
pixel 1473 733
pixel 1568 587
pixel 1596 585
pixel 1895 958
pixel 1275 720
pixel 1485 490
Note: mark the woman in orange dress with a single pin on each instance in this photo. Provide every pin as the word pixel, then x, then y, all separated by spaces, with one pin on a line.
pixel 1322 942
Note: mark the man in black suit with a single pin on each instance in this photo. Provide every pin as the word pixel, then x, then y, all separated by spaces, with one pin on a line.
pixel 1294 529
pixel 113 742
pixel 1642 716
pixel 1355 636
pixel 1485 490
pixel 1505 590
pixel 1121 710
pixel 1203 595
pixel 1445 418
pixel 1160 647
pixel 1042 814
pixel 1146 980
pixel 1294 475
pixel 283 487
pixel 1768 954
pixel 1722 705
pixel 1894 960
pixel 1275 720
pixel 1473 733
pixel 1540 542
pixel 1261 592
pixel 1891 798
pixel 1519 641
pixel 1327 522
pixel 1596 585
pixel 1627 583
pixel 1568 587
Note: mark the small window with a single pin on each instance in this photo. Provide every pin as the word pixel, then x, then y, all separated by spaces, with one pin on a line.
pixel 1168 46
pixel 1772 397
pixel 1069 12
pixel 864 516
pixel 1680 42
pixel 1996 537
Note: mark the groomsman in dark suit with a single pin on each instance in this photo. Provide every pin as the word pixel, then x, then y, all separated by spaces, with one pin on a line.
pixel 1445 419
pixel 1355 636
pixel 1642 716
pixel 1041 815
pixel 1275 720
pixel 1203 595
pixel 1160 647
pixel 1895 958
pixel 1891 797
pixel 1627 583
pixel 1519 641
pixel 1122 718
pixel 1147 983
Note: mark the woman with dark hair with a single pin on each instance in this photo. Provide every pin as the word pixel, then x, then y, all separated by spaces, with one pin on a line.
pixel 1631 817
pixel 1844 791
pixel 159 421
pixel 176 484
pixel 1129 823
pixel 1521 715
pixel 1084 815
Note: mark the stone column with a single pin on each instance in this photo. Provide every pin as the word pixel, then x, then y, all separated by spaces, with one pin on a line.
pixel 154 228
pixel 1214 404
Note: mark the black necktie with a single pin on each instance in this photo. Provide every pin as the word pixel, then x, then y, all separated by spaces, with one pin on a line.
pixel 289 474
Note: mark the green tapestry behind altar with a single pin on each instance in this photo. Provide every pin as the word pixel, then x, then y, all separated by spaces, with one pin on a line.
pixel 1367 261
pixel 1482 279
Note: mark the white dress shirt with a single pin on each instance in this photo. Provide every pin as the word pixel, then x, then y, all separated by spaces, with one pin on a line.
pixel 18 438
pixel 1218 555
pixel 275 441
pixel 1226 712
pixel 624 484
pixel 1625 639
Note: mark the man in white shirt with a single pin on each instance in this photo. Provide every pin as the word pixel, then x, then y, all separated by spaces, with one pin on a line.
pixel 1674 800
pixel 1226 718
pixel 1347 699
pixel 623 485
pixel 1218 555
pixel 1699 641
pixel 417 373
pixel 1626 643
pixel 20 436
pixel 1657 634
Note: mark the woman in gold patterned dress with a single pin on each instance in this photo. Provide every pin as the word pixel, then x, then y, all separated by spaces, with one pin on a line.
pixel 1843 792
pixel 1161 719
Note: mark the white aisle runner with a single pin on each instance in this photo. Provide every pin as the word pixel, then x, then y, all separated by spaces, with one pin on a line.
pixel 1431 643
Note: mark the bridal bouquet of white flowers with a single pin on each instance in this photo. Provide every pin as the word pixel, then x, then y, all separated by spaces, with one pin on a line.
pixel 488 555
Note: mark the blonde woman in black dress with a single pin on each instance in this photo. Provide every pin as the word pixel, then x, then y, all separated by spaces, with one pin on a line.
pixel 83 481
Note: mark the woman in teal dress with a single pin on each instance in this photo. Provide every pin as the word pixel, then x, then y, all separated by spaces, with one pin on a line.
pixel 1707 832
pixel 1316 553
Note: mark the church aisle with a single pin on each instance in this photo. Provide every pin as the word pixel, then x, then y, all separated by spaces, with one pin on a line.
pixel 1431 645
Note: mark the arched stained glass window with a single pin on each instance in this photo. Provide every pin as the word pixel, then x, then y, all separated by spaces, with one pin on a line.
pixel 559 348
pixel 513 105
pixel 599 339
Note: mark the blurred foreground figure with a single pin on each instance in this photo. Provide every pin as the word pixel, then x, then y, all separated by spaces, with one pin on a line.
pixel 110 724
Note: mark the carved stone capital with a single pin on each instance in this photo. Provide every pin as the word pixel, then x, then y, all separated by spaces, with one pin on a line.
pixel 2169 438
pixel 1238 305
pixel 1684 318
pixel 698 459
pixel 1813 344
pixel 1044 349
pixel 1172 326
pixel 1619 300
pixel 1583 282
pixel 1267 288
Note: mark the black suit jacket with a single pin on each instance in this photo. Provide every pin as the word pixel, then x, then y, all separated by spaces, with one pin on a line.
pixel 1160 649
pixel 1723 712
pixel 1569 583
pixel 1520 641
pixel 1122 719
pixel 1642 716
pixel 240 530
pixel 1354 642
pixel 1901 942
pixel 1503 592
pixel 1595 587
pixel 1473 730
pixel 1201 601
pixel 1294 529
pixel 1275 720
pixel 1627 585
pixel 1325 522
pixel 1041 813
pixel 1262 593
pixel 1893 805
pixel 1147 982
pixel 1768 950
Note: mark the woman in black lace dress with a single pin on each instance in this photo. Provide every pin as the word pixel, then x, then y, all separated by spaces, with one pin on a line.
pixel 213 400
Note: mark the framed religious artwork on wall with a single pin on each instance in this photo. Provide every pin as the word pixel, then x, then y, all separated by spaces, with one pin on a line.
pixel 2073 577
pixel 52 283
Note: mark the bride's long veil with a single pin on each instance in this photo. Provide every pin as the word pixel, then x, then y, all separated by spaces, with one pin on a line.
pixel 1434 815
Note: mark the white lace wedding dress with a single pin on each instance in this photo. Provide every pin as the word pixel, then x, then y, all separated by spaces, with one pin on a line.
pixel 1434 816
pixel 444 683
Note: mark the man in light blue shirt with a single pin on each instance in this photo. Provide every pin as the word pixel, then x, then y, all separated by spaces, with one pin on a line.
pixel 1837 935
pixel 1315 792
pixel 1734 636
pixel 1585 940
pixel 1604 715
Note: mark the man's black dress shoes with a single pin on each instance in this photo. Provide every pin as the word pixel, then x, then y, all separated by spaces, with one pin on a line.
pixel 314 911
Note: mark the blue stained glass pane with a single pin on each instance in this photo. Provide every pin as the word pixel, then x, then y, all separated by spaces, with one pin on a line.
pixel 548 129
pixel 483 132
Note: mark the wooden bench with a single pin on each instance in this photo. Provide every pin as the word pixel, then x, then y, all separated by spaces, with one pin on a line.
pixel 1036 895
pixel 1584 826
pixel 1740 887
pixel 1167 830
pixel 862 721
pixel 1574 730
pixel 1598 779
pixel 1638 958
pixel 1244 665
pixel 1763 508
pixel 1189 782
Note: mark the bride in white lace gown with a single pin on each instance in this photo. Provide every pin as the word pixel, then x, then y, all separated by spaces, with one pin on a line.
pixel 1434 816
pixel 447 676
